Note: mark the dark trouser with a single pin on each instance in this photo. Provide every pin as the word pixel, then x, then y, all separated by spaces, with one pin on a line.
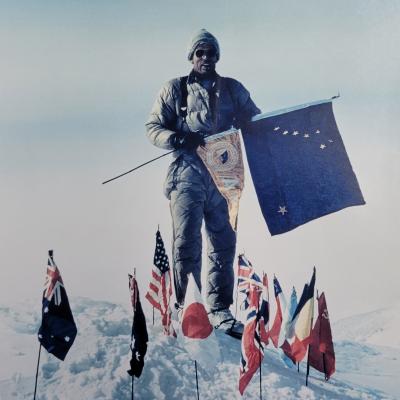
pixel 194 197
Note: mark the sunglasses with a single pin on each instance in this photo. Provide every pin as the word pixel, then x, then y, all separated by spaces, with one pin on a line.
pixel 208 53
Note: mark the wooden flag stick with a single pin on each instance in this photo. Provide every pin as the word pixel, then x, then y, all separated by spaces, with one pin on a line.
pixel 197 380
pixel 37 371
pixel 133 388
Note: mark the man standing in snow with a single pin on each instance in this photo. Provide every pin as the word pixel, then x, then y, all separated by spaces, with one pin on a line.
pixel 186 110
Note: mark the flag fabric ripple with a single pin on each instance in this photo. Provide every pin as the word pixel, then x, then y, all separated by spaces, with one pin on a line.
pixel 160 287
pixel 198 335
pixel 58 330
pixel 139 336
pixel 322 353
pixel 295 347
pixel 299 165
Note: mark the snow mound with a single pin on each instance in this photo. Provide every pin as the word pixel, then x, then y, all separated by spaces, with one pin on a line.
pixel 380 327
pixel 95 367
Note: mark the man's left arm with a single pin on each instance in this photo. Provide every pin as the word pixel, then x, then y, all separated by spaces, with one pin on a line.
pixel 244 105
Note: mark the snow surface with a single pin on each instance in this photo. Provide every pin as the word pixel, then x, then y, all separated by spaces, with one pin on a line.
pixel 95 367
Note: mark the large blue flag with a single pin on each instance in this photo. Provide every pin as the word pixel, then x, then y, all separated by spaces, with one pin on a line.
pixel 299 165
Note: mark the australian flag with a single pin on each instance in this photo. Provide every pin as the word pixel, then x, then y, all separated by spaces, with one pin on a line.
pixel 58 330
pixel 299 165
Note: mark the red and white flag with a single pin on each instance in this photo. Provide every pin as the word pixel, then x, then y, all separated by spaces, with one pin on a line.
pixel 198 334
pixel 275 332
pixel 252 351
pixel 322 353
pixel 160 290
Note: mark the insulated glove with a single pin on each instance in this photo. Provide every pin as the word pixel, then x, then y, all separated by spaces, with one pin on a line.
pixel 188 141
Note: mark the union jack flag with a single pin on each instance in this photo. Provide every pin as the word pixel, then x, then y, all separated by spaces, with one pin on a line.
pixel 53 282
pixel 160 287
pixel 247 275
pixel 58 330
pixel 252 351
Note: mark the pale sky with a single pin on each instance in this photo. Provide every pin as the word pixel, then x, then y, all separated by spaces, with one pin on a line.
pixel 78 79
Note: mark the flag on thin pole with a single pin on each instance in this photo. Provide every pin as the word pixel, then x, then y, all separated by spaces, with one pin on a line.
pixel 247 275
pixel 321 351
pixel 139 337
pixel 263 314
pixel 299 165
pixel 58 330
pixel 275 332
pixel 252 352
pixel 198 334
pixel 295 347
pixel 160 288
pixel 286 326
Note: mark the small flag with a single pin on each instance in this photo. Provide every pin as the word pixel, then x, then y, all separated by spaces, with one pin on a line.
pixel 322 353
pixel 263 314
pixel 198 338
pixel 160 290
pixel 247 275
pixel 299 165
pixel 222 156
pixel 296 345
pixel 139 337
pixel 58 330
pixel 252 352
pixel 287 328
pixel 275 332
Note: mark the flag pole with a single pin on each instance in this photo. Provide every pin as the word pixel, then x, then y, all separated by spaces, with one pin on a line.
pixel 309 344
pixel 139 166
pixel 237 292
pixel 197 380
pixel 259 338
pixel 37 371
pixel 133 319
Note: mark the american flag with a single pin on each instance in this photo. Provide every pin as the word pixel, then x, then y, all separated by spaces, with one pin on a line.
pixel 252 351
pixel 160 287
pixel 57 331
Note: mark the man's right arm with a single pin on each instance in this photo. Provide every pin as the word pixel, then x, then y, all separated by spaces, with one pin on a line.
pixel 163 117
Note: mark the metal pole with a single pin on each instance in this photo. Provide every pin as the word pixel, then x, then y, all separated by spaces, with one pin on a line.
pixel 259 338
pixel 139 166
pixel 37 371
pixel 197 380
pixel 237 294
pixel 308 355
